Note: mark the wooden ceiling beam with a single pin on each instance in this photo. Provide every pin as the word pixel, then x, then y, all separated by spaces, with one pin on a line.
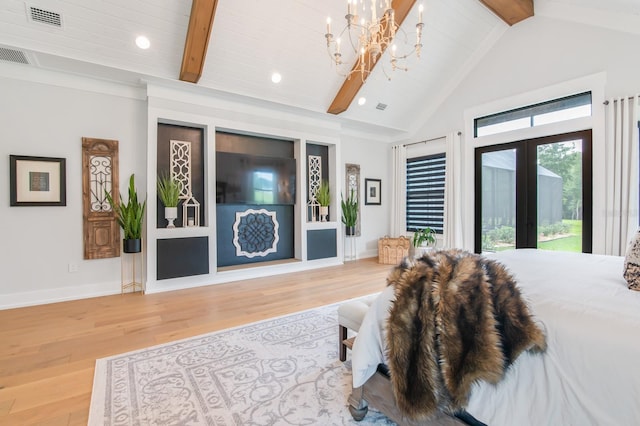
pixel 197 42
pixel 352 85
pixel 510 11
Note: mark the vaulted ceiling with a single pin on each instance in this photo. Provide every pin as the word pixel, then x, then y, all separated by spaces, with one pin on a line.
pixel 234 46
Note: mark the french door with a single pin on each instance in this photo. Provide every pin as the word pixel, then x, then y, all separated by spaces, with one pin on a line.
pixel 535 193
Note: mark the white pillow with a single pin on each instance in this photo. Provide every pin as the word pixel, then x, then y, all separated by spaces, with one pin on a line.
pixel 632 264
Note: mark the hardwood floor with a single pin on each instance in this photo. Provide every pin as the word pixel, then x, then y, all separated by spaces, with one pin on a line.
pixel 48 352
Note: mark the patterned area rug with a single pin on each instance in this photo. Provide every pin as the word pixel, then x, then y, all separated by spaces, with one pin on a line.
pixel 282 371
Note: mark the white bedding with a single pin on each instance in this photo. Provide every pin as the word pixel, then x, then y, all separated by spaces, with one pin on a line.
pixel 590 374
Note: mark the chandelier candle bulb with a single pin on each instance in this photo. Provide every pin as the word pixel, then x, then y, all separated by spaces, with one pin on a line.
pixel 329 25
pixel 420 10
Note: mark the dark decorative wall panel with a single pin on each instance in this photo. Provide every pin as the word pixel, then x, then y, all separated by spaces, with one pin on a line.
pixel 182 257
pixel 251 237
pixel 321 244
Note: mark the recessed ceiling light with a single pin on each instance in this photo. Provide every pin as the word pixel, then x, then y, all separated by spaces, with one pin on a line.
pixel 276 77
pixel 362 100
pixel 143 42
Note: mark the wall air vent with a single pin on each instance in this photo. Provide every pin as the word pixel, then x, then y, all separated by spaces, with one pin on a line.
pixel 11 55
pixel 43 16
pixel 381 106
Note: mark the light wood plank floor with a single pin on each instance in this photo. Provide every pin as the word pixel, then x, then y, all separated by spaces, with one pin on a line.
pixel 48 352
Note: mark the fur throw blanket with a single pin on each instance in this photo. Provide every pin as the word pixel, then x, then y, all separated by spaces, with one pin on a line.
pixel 457 318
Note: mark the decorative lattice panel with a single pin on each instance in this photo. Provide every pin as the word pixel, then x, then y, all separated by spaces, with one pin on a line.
pixel 181 166
pixel 315 175
pixel 352 184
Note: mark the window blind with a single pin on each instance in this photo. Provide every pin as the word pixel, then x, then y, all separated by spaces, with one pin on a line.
pixel 425 192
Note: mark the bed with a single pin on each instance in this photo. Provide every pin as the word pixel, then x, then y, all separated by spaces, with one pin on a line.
pixel 589 374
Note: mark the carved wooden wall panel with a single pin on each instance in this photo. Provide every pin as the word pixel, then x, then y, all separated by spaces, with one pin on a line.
pixel 99 174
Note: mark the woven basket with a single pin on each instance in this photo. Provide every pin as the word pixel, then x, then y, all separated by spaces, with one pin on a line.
pixel 392 250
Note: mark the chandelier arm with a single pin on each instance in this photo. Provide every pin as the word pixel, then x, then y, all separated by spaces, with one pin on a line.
pixel 353 45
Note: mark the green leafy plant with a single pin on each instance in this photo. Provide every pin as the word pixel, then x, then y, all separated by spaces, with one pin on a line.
pixel 168 191
pixel 425 236
pixel 323 194
pixel 129 215
pixel 349 210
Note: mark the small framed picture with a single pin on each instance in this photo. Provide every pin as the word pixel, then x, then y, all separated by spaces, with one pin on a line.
pixel 372 191
pixel 37 181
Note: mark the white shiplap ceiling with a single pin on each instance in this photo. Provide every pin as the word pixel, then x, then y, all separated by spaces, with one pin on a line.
pixel 253 38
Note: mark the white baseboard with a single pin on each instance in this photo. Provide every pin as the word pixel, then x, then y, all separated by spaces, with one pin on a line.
pixel 63 294
pixel 238 275
pixel 368 253
pixel 54 295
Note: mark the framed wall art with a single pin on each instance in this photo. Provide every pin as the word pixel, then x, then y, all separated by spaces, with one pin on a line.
pixel 37 181
pixel 372 191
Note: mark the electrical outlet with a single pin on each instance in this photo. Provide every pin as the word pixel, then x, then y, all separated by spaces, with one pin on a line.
pixel 73 267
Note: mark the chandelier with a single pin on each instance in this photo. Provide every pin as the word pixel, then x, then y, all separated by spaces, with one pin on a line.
pixel 369 31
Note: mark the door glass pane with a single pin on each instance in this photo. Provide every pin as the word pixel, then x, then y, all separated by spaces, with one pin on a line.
pixel 499 200
pixel 560 196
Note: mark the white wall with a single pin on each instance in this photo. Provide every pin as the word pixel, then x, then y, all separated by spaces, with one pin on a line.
pixel 536 53
pixel 537 56
pixel 48 120
pixel 46 114
pixel 374 161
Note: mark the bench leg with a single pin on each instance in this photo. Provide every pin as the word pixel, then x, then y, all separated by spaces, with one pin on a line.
pixel 342 336
pixel 358 407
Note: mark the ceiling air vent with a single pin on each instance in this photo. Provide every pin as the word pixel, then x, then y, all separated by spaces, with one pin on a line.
pixel 11 55
pixel 43 16
pixel 381 106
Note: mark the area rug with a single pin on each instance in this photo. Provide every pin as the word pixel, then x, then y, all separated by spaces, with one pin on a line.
pixel 281 371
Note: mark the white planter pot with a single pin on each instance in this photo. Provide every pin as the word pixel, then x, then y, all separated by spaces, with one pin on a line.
pixel 171 214
pixel 324 212
pixel 416 252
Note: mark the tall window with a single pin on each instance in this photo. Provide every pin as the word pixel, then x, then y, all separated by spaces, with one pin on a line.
pixel 425 193
pixel 535 193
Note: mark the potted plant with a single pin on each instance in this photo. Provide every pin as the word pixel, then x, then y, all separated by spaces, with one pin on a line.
pixel 323 197
pixel 169 194
pixel 129 216
pixel 423 240
pixel 350 213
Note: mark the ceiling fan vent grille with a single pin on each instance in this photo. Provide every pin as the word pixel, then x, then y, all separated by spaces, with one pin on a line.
pixel 45 16
pixel 381 106
pixel 11 55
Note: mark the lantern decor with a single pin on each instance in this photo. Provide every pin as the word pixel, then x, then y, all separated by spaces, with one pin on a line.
pixel 314 208
pixel 190 212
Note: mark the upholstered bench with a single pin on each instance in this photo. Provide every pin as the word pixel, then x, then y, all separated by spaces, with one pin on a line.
pixel 350 316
